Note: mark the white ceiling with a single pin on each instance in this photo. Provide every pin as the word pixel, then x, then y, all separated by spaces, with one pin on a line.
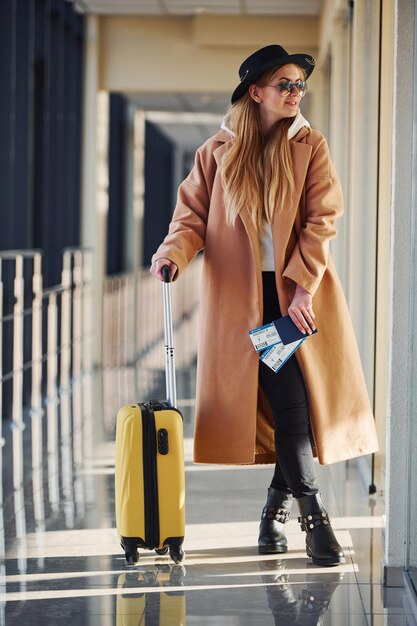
pixel 187 119
pixel 186 102
pixel 193 7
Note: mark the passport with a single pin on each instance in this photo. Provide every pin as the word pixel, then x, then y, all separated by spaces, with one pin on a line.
pixel 282 330
pixel 288 331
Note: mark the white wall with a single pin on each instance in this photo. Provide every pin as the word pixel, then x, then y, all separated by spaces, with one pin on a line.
pixel 402 398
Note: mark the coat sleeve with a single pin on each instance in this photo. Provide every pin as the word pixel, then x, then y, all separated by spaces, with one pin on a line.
pixel 187 230
pixel 323 205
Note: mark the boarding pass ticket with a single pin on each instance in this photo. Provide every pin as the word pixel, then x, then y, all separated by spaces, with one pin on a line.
pixel 276 356
pixel 264 336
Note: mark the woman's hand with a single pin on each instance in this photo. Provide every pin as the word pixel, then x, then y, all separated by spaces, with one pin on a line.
pixel 301 310
pixel 156 268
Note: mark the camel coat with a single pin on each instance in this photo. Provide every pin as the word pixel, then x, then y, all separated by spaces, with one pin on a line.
pixel 233 422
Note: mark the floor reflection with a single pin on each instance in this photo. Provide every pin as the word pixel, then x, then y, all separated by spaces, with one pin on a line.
pixel 288 602
pixel 308 606
pixel 162 607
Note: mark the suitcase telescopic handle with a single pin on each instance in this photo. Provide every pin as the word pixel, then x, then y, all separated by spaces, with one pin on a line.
pixel 171 390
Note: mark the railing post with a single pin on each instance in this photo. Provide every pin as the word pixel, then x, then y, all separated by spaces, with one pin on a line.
pixel 66 282
pixel 18 309
pixel 86 311
pixel 17 413
pixel 52 401
pixel 17 409
pixel 65 382
pixel 36 391
pixel 36 411
pixel 77 416
pixel 65 389
pixel 83 264
pixel 77 314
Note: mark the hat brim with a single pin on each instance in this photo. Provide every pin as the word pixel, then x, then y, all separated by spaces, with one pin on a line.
pixel 305 61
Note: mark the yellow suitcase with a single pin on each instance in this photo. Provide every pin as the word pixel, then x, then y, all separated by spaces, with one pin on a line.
pixel 149 477
pixel 150 484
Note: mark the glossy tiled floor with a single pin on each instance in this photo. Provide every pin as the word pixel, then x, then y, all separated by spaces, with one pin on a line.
pixel 63 564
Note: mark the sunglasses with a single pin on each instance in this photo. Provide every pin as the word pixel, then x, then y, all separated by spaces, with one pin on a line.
pixel 285 87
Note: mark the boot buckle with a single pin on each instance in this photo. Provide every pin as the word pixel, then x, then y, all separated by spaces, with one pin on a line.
pixel 309 522
pixel 275 513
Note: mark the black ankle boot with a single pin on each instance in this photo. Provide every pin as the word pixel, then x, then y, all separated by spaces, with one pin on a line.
pixel 321 543
pixel 272 539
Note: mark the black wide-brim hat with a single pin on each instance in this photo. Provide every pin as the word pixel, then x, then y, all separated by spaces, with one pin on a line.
pixel 265 59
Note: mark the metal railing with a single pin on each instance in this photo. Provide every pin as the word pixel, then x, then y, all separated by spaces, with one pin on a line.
pixel 48 336
pixel 133 328
pixel 72 349
pixel 128 338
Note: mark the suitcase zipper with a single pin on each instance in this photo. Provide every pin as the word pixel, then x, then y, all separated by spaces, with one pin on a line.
pixel 150 478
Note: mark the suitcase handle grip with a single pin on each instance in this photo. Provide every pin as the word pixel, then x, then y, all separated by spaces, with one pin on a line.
pixel 166 273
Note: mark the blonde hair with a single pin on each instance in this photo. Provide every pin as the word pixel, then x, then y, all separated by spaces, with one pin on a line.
pixel 256 173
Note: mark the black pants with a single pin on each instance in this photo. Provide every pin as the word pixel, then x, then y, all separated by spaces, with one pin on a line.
pixel 286 394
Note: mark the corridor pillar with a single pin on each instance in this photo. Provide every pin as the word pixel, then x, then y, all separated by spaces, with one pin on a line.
pixel 95 177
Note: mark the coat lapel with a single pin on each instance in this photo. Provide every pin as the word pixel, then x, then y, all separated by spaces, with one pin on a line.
pixel 283 221
pixel 253 236
pixel 250 227
pixel 245 216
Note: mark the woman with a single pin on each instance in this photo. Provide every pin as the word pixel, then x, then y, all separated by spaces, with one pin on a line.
pixel 262 201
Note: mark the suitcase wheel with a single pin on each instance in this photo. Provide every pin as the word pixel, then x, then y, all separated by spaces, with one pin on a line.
pixel 130 546
pixel 132 556
pixel 162 551
pixel 176 553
